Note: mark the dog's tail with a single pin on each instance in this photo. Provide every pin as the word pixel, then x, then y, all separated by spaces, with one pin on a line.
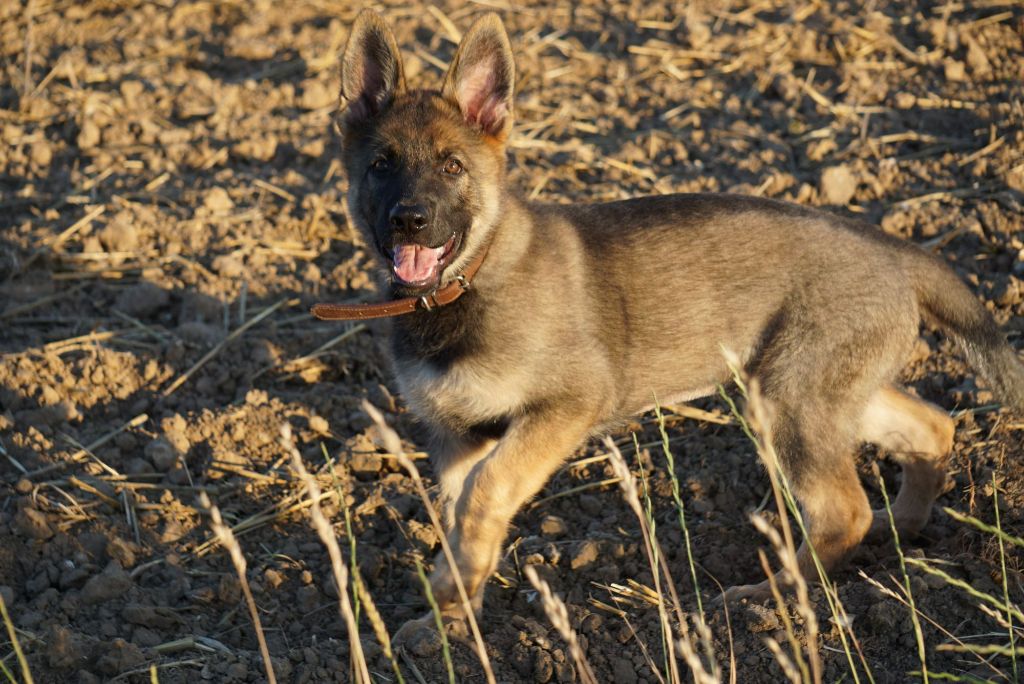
pixel 948 302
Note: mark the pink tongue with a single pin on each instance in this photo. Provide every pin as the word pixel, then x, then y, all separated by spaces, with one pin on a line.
pixel 416 263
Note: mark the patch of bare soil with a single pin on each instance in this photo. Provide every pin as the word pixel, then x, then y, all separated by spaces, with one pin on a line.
pixel 172 205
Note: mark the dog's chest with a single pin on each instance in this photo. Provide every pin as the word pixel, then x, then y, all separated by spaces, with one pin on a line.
pixel 460 394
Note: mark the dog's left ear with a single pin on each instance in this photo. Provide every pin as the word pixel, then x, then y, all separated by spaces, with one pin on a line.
pixel 481 77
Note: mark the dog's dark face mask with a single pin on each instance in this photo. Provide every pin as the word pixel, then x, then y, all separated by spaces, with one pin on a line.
pixel 425 168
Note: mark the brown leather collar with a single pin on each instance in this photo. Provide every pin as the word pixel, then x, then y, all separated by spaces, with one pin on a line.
pixel 398 307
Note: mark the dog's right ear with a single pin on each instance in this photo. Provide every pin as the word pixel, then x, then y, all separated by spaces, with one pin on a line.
pixel 371 69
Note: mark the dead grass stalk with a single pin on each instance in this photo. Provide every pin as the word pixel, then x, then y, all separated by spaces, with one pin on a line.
pixel 228 541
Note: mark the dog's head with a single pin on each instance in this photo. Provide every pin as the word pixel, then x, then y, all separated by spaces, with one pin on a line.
pixel 425 168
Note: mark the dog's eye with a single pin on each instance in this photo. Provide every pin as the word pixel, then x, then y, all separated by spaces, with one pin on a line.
pixel 453 166
pixel 380 164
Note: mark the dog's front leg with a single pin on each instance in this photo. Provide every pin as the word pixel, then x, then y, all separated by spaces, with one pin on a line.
pixel 453 457
pixel 496 487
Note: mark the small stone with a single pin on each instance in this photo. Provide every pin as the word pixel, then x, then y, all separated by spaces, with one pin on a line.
pixel 41 153
pixel 33 524
pixel 584 554
pixel 977 59
pixel 218 201
pixel 119 236
pixel 590 504
pixel 228 265
pixel 273 577
pixel 366 465
pixel 955 70
pixel 884 617
pixel 623 672
pixel 257 147
pixel 838 185
pixel 229 590
pixel 113 582
pixel 307 598
pixel 319 425
pixel 199 334
pixel 142 300
pixel 89 135
pixel 552 526
pixel 161 454
pixel 1015 179
pixel 761 618
pixel 315 95
pixel 122 551
pixel 592 623
pixel 543 667
pixel 7 594
pixel 72 578
pixel 64 648
pixel 119 656
pixel 564 672
pixel 130 91
pixel 256 397
pixel 145 638
pixel 425 642
pixel 238 671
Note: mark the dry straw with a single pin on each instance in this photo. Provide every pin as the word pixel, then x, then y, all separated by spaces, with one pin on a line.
pixel 228 541
pixel 687 647
pixel 341 577
pixel 558 614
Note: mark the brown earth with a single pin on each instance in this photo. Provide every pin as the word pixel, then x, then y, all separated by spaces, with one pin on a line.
pixel 169 191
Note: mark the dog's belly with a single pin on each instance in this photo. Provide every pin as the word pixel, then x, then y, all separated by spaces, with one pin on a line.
pixel 681 398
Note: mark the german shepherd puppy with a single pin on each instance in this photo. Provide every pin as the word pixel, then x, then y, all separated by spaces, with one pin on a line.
pixel 580 315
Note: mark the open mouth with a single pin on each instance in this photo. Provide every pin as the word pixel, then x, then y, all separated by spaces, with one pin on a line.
pixel 418 265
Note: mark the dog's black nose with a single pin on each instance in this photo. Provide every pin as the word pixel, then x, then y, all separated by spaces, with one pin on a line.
pixel 410 217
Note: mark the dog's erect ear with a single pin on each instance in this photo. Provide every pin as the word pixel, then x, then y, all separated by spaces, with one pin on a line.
pixel 371 69
pixel 481 77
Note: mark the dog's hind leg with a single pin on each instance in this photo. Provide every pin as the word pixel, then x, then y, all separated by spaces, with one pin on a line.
pixel 818 373
pixel 919 436
pixel 819 465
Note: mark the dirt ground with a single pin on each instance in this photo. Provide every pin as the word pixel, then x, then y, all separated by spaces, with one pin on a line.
pixel 172 205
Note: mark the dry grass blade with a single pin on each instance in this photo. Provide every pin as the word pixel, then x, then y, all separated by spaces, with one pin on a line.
pixel 393 444
pixel 84 452
pixel 326 534
pixel 698 670
pixel 918 633
pixel 438 621
pixel 228 541
pixel 558 614
pixel 945 632
pixel 61 238
pixel 219 348
pixel 12 633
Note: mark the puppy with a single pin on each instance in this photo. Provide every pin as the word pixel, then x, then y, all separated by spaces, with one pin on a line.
pixel 528 329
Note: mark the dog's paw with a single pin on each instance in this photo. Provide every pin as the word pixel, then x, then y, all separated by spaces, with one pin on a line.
pixel 416 635
pixel 753 593
pixel 420 636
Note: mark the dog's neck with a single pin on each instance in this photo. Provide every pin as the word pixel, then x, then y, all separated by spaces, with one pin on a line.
pixel 445 334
